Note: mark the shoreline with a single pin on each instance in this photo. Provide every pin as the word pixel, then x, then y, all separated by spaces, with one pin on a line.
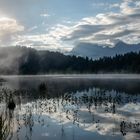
pixel 91 76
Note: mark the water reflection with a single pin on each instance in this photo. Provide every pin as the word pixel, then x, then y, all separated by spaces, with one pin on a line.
pixel 69 109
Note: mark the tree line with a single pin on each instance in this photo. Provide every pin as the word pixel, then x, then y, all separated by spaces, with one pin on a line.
pixel 43 62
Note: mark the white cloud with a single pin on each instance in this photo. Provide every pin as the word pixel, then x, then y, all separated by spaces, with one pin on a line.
pixel 32 28
pixel 100 4
pixel 8 30
pixel 114 5
pixel 50 41
pixel 44 15
pixel 105 5
pixel 130 7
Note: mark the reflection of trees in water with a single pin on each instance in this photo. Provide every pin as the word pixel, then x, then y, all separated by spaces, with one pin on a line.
pixel 68 105
pixel 4 128
pixel 57 86
pixel 6 124
pixel 129 126
pixel 6 114
pixel 29 123
pixel 107 101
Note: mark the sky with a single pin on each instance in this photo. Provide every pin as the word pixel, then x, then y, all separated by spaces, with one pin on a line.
pixel 59 25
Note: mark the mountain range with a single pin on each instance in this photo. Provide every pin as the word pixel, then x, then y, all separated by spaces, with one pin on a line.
pixel 96 51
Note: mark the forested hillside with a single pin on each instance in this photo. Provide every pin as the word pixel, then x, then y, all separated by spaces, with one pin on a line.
pixel 30 61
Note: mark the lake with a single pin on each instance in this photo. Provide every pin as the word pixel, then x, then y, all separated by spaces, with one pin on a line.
pixel 70 107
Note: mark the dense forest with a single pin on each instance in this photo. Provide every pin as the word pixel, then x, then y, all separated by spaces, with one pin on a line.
pixel 55 62
pixel 31 61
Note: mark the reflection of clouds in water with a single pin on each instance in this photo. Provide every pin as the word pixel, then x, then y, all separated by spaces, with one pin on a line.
pixel 103 123
pixel 45 134
pixel 89 111
pixel 131 107
pixel 104 128
pixel 131 136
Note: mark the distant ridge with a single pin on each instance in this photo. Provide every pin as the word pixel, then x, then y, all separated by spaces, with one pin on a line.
pixel 96 51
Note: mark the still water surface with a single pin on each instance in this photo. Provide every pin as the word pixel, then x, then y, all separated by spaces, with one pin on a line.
pixel 65 107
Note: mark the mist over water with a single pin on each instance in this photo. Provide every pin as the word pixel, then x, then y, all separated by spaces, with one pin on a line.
pixel 70 107
pixel 10 59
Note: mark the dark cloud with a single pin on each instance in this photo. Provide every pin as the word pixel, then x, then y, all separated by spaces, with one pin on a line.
pixel 84 31
pixel 112 36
